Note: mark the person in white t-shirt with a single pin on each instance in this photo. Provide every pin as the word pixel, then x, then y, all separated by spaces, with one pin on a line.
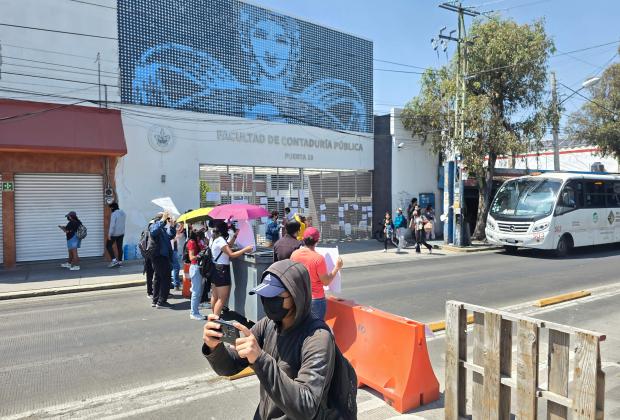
pixel 222 254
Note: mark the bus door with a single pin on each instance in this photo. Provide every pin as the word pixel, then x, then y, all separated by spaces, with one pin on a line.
pixel 595 203
pixel 571 216
pixel 612 189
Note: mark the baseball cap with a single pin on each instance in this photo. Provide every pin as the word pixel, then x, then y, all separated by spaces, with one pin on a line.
pixel 313 233
pixel 271 286
pixel 399 209
pixel 71 214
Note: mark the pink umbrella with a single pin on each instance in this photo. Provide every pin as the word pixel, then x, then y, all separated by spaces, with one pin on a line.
pixel 238 212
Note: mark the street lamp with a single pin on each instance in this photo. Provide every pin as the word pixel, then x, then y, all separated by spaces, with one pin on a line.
pixel 556 108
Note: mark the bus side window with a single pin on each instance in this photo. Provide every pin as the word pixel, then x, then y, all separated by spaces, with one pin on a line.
pixel 595 194
pixel 612 191
pixel 571 197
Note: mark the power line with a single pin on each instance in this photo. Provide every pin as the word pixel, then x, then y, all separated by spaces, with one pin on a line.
pixel 93 4
pixel 34 28
pixel 58 64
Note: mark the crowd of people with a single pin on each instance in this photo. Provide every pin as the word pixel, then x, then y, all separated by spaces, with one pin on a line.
pixel 420 222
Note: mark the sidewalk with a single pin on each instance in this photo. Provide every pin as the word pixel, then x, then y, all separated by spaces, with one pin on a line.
pixel 48 276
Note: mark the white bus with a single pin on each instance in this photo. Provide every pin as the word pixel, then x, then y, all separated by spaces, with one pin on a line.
pixel 555 211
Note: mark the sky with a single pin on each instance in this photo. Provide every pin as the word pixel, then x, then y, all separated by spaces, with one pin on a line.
pixel 401 31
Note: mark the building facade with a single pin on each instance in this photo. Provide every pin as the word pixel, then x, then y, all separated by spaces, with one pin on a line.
pixel 218 101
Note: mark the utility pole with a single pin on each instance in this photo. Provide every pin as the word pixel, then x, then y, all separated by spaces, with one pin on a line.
pixel 555 123
pixel 458 214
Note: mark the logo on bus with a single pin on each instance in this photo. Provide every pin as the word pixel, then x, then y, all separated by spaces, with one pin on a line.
pixel 595 217
pixel 611 218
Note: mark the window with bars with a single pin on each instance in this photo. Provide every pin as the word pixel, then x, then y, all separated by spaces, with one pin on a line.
pixel 337 202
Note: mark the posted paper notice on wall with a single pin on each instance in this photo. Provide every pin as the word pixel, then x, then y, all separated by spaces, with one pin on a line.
pixel 331 256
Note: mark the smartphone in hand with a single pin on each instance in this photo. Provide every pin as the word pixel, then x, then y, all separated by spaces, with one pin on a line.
pixel 230 333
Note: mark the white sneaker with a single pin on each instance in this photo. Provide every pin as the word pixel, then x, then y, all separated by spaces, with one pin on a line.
pixel 112 264
pixel 74 268
pixel 385 250
pixel 65 265
pixel 196 318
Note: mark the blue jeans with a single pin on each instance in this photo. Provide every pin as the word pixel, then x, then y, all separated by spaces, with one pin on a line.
pixel 196 277
pixel 176 266
pixel 318 307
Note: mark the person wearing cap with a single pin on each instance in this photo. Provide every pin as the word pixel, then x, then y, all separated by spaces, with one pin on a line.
pixel 73 242
pixel 292 358
pixel 400 223
pixel 317 268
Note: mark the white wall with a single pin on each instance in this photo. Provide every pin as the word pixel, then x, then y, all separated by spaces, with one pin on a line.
pixel 56 54
pixel 577 159
pixel 414 166
pixel 213 139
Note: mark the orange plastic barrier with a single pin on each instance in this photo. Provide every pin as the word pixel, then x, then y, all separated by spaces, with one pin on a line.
pixel 388 353
pixel 187 283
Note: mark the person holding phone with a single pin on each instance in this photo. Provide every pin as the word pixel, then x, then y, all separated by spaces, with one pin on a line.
pixel 221 249
pixel 293 360
pixel 73 242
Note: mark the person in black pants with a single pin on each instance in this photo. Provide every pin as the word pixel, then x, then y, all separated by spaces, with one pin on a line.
pixel 148 270
pixel 388 230
pixel 163 233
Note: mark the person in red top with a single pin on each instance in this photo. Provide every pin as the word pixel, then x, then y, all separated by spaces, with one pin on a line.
pixel 193 249
pixel 317 268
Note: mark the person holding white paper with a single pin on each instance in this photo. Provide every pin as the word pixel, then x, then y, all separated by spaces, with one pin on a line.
pixel 317 268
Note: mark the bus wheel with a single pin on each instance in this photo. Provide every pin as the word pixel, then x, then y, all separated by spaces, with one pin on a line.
pixel 510 249
pixel 565 244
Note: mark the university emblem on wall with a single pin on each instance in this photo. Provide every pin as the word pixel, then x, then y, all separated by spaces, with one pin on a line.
pixel 161 138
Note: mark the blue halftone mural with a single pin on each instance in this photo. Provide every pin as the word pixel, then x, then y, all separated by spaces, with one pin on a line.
pixel 231 58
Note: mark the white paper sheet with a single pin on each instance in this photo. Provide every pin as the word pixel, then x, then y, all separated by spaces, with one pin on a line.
pixel 246 234
pixel 294 203
pixel 213 196
pixel 263 200
pixel 363 217
pixel 346 207
pixel 323 218
pixel 355 207
pixel 323 207
pixel 340 213
pixel 364 208
pixel 167 204
pixel 347 228
pixel 240 201
pixel 331 256
pixel 340 208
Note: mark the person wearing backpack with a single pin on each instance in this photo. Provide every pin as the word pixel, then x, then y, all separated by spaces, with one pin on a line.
pixel 221 250
pixel 301 371
pixel 159 249
pixel 74 241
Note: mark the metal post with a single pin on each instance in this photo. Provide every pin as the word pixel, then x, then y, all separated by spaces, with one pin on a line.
pixel 555 123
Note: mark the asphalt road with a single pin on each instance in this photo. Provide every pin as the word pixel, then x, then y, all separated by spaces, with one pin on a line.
pixel 111 349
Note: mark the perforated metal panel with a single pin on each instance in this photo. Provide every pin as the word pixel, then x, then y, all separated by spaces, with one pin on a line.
pixel 337 202
pixel 41 203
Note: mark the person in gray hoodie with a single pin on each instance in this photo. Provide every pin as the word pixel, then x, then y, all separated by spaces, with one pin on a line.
pixel 293 362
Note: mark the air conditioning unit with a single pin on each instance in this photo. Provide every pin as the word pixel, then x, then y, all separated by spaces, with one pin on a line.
pixel 597 167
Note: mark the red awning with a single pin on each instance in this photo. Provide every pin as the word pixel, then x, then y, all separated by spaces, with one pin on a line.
pixel 54 128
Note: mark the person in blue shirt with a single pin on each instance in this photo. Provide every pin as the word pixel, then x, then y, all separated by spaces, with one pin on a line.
pixel 400 224
pixel 272 233
pixel 163 233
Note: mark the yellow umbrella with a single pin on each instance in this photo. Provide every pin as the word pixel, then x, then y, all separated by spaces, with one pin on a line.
pixel 198 214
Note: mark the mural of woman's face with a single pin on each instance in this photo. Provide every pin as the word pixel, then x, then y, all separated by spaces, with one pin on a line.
pixel 271 46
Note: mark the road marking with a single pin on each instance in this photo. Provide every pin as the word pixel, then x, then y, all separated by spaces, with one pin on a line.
pixel 46 362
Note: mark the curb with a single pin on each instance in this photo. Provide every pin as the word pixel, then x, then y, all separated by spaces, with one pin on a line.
pixel 468 249
pixel 69 289
pixel 441 325
pixel 554 300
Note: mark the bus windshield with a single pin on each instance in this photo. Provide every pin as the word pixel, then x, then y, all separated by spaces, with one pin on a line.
pixel 531 198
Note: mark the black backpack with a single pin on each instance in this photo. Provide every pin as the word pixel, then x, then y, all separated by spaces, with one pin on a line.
pixel 205 262
pixel 185 254
pixel 149 246
pixel 342 394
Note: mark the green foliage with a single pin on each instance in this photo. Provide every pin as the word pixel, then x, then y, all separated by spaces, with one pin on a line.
pixel 598 121
pixel 204 189
pixel 505 107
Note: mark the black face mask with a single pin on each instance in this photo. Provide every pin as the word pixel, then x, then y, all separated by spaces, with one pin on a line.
pixel 274 308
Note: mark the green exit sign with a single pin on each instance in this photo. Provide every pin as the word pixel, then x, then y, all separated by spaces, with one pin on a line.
pixel 7 186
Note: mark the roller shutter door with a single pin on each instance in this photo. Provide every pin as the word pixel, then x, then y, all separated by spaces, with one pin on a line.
pixel 1 247
pixel 41 203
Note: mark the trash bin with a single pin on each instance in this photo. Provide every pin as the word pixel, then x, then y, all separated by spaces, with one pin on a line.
pixel 247 272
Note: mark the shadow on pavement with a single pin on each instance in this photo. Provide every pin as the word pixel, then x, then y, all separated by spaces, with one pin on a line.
pixel 585 252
